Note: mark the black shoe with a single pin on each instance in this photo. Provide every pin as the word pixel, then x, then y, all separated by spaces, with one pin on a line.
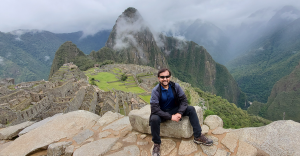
pixel 156 150
pixel 203 140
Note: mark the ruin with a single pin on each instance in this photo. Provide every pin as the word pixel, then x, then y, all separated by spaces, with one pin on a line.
pixel 69 90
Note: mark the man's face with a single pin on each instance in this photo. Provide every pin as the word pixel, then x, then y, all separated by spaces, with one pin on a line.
pixel 164 81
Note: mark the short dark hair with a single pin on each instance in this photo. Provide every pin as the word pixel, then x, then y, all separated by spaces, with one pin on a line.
pixel 163 70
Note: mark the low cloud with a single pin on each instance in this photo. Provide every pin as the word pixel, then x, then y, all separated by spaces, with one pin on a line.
pixel 91 16
pixel 289 15
pixel 47 58
pixel 20 32
pixel 126 32
pixel 2 61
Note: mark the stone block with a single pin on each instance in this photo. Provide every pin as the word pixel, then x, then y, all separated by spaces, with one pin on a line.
pixel 130 138
pixel 205 129
pixel 220 130
pixel 213 121
pixel 132 150
pixel 82 136
pixel 118 125
pixel 221 152
pixel 103 134
pixel 117 146
pixel 209 150
pixel 69 150
pixel 187 147
pixel 246 149
pixel 166 146
pixel 92 149
pixel 57 149
pixel 139 120
pixel 230 141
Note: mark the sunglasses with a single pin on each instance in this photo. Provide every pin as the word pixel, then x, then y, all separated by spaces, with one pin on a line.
pixel 162 77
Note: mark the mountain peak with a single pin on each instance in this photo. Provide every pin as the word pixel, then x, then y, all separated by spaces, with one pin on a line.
pixel 132 37
pixel 130 11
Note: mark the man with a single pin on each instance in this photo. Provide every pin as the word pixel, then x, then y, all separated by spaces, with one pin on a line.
pixel 168 102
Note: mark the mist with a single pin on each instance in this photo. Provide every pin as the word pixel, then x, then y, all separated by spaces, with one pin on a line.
pixel 235 23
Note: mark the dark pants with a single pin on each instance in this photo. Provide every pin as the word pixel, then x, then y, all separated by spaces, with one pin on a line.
pixel 155 121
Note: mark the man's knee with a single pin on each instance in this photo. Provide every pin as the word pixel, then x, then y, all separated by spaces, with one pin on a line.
pixel 155 119
pixel 191 109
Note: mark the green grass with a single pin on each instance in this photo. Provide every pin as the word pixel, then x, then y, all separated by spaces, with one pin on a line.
pixel 11 87
pixel 146 98
pixel 105 77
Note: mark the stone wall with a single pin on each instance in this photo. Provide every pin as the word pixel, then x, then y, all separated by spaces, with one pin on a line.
pixel 32 112
pixel 15 95
pixel 61 91
pixel 40 99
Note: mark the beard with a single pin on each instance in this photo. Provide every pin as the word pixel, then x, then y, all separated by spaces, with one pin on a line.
pixel 164 83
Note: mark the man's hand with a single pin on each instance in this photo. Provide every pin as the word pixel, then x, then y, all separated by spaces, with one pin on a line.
pixel 176 117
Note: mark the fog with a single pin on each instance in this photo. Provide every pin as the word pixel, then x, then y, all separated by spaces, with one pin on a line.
pixel 240 21
pixel 90 16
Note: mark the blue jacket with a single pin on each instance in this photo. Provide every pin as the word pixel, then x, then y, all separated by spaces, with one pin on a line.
pixel 179 98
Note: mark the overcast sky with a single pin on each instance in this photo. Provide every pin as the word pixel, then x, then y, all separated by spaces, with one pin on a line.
pixel 90 16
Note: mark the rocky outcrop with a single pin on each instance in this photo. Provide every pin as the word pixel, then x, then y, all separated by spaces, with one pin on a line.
pixel 38 124
pixel 277 138
pixel 79 133
pixel 139 120
pixel 65 126
pixel 13 131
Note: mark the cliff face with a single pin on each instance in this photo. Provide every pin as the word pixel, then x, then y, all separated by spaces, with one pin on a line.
pixel 285 98
pixel 192 63
pixel 66 53
pixel 132 39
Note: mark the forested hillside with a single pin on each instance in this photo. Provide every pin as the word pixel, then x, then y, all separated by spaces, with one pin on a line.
pixel 27 55
pixel 271 58
pixel 284 101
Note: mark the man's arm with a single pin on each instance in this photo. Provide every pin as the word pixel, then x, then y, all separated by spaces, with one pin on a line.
pixel 155 107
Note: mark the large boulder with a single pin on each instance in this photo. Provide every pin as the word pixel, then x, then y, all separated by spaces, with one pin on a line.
pixel 13 131
pixel 64 126
pixel 139 120
pixel 38 124
pixel 277 138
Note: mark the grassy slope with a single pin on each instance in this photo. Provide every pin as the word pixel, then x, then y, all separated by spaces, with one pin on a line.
pixel 232 116
pixel 105 77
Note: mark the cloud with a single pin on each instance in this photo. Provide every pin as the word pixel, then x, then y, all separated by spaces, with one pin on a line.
pixel 2 61
pixel 91 16
pixel 127 29
pixel 289 15
pixel 20 32
pixel 47 58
